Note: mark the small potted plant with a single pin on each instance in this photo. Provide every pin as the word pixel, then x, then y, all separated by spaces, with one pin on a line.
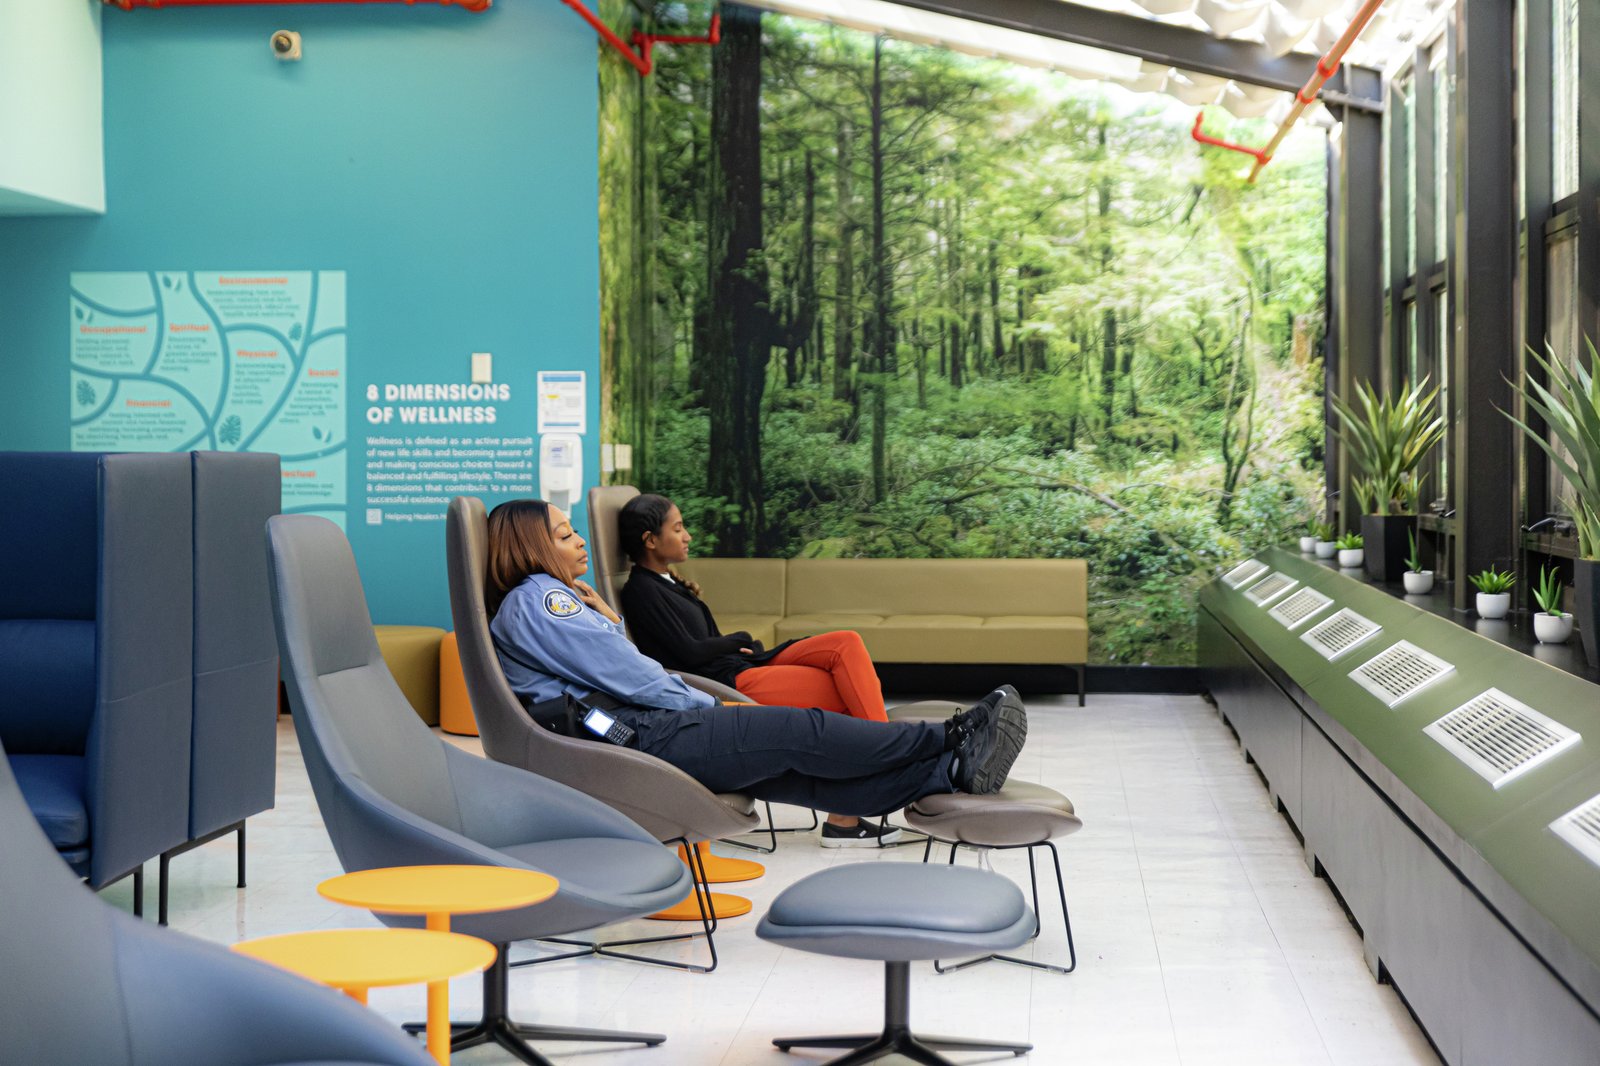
pixel 1350 550
pixel 1325 545
pixel 1308 541
pixel 1418 582
pixel 1551 625
pixel 1494 592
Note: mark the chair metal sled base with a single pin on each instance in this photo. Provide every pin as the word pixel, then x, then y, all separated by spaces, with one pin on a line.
pixel 708 923
pixel 496 1027
pixel 897 1037
pixel 1033 879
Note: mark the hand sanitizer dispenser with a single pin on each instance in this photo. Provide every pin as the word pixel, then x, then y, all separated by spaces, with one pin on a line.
pixel 560 469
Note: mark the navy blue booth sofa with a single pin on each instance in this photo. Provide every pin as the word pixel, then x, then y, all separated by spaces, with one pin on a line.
pixel 136 706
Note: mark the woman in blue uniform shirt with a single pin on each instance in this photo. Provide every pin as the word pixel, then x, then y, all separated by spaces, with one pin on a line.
pixel 556 636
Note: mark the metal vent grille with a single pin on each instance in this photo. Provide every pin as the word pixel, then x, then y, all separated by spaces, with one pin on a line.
pixel 1337 634
pixel 1499 737
pixel 1245 572
pixel 1299 607
pixel 1581 829
pixel 1399 671
pixel 1265 591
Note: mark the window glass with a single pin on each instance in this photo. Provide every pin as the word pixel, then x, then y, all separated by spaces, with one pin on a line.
pixel 1564 100
pixel 1564 336
pixel 1414 368
pixel 1408 122
pixel 1441 378
pixel 1441 155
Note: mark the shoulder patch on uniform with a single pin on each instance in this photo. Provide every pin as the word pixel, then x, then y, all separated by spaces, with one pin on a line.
pixel 561 604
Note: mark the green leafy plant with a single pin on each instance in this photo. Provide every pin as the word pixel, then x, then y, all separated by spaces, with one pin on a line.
pixel 1388 438
pixel 1549 591
pixel 1414 557
pixel 1321 530
pixel 1570 407
pixel 1492 582
pixel 1350 542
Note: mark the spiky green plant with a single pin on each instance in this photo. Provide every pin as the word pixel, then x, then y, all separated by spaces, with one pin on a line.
pixel 1322 530
pixel 1570 407
pixel 1549 591
pixel 1493 582
pixel 1350 542
pixel 1388 438
pixel 1414 558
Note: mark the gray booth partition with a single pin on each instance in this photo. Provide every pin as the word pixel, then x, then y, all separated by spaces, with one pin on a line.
pixel 1446 784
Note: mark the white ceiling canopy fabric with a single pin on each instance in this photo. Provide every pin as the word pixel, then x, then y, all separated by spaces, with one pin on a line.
pixel 1308 27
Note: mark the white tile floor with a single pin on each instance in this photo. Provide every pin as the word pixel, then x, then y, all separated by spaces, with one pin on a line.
pixel 1201 936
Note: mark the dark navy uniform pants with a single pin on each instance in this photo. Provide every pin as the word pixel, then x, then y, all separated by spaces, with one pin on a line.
pixel 811 758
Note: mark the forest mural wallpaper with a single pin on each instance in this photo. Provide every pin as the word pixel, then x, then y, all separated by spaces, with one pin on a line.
pixel 868 298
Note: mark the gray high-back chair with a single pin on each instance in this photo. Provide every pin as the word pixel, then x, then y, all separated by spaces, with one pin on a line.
pixel 86 983
pixel 668 803
pixel 96 651
pixel 234 740
pixel 609 566
pixel 394 794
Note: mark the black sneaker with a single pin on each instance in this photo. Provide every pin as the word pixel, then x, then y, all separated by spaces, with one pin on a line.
pixel 985 754
pixel 863 834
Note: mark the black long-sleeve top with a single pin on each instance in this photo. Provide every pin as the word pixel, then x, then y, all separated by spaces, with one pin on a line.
pixel 675 628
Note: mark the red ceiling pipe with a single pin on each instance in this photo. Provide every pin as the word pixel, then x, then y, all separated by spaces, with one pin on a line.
pixel 644 41
pixel 1305 97
pixel 129 5
pixel 1261 156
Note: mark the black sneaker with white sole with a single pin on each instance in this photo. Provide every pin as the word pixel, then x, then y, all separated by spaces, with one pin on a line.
pixel 863 834
pixel 985 755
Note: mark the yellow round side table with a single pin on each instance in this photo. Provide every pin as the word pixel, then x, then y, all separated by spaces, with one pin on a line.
pixel 354 960
pixel 437 892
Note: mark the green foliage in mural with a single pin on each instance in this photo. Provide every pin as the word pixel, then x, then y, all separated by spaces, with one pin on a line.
pixel 85 394
pixel 923 305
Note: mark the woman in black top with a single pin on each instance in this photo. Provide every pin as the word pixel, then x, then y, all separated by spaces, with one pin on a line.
pixel 671 624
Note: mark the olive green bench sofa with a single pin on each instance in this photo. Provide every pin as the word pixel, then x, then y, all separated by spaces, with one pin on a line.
pixel 956 611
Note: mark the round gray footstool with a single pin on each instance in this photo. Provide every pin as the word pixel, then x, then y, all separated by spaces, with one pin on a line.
pixel 898 912
pixel 1020 815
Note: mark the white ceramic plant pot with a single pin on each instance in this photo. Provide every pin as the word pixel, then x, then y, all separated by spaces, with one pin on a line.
pixel 1418 582
pixel 1308 545
pixel 1325 549
pixel 1493 604
pixel 1552 628
pixel 1350 558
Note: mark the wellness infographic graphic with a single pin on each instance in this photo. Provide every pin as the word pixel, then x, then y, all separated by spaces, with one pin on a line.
pixel 173 360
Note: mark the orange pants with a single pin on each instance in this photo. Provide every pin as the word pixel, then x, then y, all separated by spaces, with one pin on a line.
pixel 832 671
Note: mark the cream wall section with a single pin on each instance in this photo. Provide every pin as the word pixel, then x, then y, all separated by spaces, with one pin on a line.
pixel 52 157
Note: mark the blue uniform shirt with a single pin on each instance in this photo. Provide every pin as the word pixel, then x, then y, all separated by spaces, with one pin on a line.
pixel 558 645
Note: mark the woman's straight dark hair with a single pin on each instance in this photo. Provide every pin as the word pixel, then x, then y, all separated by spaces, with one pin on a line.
pixel 641 515
pixel 520 543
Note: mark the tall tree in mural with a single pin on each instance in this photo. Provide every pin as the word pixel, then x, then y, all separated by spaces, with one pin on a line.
pixel 739 323
pixel 885 300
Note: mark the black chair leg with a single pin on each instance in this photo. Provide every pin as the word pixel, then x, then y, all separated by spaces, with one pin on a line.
pixel 772 832
pixel 708 924
pixel 897 1037
pixel 161 888
pixel 496 1026
pixel 241 853
pixel 1033 880
pixel 138 892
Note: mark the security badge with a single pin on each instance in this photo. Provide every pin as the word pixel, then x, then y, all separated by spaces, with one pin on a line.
pixel 559 604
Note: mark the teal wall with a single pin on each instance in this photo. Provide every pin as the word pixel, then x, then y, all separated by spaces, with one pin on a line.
pixel 445 160
pixel 50 145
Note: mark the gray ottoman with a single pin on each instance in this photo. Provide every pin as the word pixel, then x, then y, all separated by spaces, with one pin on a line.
pixel 898 912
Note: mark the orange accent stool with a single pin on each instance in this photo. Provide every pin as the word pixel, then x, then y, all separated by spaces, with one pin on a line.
pixel 455 706
pixel 437 892
pixel 723 904
pixel 354 960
